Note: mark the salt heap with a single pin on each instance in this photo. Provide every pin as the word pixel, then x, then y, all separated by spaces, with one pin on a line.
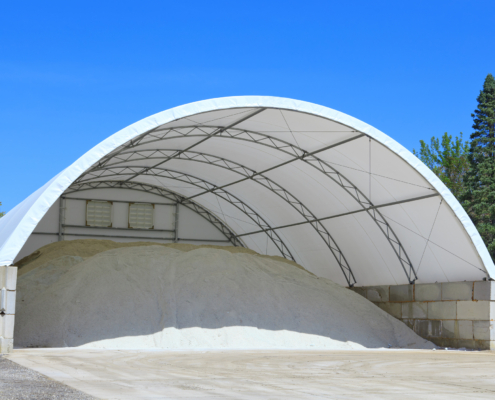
pixel 204 298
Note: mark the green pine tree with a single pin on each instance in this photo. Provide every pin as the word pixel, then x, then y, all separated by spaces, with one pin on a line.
pixel 448 159
pixel 479 197
pixel 1 213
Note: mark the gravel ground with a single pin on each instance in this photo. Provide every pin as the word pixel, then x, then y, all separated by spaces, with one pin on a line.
pixel 20 383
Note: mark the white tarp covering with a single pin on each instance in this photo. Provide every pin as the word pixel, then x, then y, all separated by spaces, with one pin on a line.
pixel 295 162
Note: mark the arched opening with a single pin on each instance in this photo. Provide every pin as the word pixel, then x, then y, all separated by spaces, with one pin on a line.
pixel 277 176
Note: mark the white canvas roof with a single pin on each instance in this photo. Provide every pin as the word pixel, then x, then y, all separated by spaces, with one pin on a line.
pixel 288 178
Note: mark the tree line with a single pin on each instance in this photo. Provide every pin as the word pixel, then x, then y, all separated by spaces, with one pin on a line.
pixel 467 168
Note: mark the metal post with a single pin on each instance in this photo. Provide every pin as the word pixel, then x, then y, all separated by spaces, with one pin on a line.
pixel 60 217
pixel 176 228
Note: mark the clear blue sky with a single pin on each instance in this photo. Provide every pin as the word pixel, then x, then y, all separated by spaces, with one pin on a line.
pixel 72 73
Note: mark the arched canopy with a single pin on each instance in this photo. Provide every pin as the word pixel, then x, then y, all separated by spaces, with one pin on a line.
pixel 324 189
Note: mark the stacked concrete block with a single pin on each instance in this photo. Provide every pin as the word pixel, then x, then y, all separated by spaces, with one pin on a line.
pixel 8 280
pixel 450 314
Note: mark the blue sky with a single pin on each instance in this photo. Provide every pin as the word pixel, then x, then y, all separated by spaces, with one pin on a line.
pixel 73 73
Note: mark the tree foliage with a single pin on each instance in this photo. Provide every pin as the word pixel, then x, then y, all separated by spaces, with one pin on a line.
pixel 479 195
pixel 447 157
pixel 1 213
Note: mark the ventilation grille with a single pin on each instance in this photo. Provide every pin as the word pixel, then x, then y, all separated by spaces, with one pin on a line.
pixel 99 213
pixel 141 215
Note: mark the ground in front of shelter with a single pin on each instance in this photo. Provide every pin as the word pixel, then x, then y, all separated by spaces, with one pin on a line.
pixel 21 383
pixel 368 374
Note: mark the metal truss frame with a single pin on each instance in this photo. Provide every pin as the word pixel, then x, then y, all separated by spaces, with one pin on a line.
pixel 168 194
pixel 258 178
pixel 201 183
pixel 298 154
pixel 217 131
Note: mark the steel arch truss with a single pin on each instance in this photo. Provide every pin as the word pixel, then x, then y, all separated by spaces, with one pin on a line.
pixel 109 172
pixel 288 148
pixel 136 156
pixel 374 213
pixel 169 195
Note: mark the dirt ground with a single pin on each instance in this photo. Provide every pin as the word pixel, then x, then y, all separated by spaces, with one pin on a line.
pixel 370 374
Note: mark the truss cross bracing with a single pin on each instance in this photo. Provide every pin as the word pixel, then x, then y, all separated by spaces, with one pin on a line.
pixel 298 153
pixel 165 193
pixel 112 172
pixel 248 173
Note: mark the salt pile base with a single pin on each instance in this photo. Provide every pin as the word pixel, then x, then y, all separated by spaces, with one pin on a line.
pixel 205 298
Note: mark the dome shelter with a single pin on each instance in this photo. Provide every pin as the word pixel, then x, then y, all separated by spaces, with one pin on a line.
pixel 279 176
pixel 324 189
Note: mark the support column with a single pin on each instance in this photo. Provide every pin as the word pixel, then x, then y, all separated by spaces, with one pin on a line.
pixel 8 281
pixel 61 202
pixel 176 227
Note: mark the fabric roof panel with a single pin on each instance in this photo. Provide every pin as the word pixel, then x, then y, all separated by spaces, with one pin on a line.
pixel 251 155
pixel 300 121
pixel 226 116
pixel 313 252
pixel 364 245
pixel 311 187
pixel 448 234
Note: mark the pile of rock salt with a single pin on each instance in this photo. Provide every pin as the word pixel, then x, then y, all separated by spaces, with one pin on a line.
pixel 204 298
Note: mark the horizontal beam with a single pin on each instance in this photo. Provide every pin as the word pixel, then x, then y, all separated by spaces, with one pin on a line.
pixel 344 214
pixel 133 237
pixel 118 229
pixel 164 193
pixel 120 201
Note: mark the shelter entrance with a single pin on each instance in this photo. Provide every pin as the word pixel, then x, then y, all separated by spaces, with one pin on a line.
pixel 277 176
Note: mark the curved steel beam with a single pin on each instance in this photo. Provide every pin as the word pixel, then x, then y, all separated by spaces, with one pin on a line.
pixel 298 154
pixel 168 194
pixel 260 179
pixel 198 182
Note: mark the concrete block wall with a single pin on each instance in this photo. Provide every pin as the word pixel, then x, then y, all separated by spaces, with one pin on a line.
pixel 8 281
pixel 450 314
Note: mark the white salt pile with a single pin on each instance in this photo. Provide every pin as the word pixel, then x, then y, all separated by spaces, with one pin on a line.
pixel 162 297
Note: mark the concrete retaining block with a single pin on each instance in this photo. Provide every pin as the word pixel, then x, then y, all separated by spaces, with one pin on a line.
pixel 7 326
pixel 428 292
pixel 409 323
pixel 457 291
pixel 394 309
pixel 6 345
pixel 453 314
pixel 457 329
pixel 483 330
pixel 7 301
pixel 486 344
pixel 473 310
pixel 415 310
pixel 442 310
pixel 378 294
pixel 465 329
pixel 428 328
pixel 359 290
pixel 484 291
pixel 450 329
pixel 8 277
pixel 466 343
pixel 402 293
